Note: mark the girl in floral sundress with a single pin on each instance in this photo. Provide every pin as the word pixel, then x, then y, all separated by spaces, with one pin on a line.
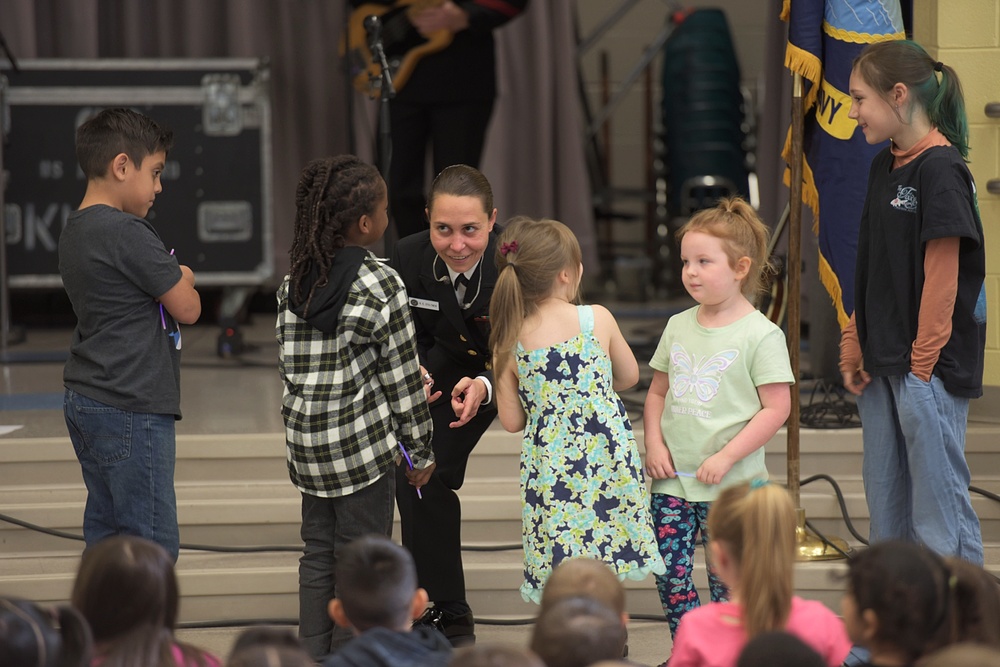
pixel 557 367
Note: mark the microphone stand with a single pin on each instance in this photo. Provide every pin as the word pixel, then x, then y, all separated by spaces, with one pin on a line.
pixel 384 127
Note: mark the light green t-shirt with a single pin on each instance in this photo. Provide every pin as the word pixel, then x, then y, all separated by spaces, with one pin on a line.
pixel 714 375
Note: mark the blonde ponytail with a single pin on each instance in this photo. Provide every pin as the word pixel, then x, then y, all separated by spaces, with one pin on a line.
pixel 756 525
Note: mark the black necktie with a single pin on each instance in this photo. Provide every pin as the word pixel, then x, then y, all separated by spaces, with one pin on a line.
pixel 461 280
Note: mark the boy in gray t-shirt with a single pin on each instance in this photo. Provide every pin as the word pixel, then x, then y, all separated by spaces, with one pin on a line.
pixel 129 294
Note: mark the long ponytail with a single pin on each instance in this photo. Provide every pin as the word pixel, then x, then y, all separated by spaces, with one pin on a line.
pixel 756 525
pixel 530 254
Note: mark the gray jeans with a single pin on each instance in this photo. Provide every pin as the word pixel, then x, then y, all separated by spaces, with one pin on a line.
pixel 329 524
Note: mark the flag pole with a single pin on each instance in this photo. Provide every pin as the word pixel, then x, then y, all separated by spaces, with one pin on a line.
pixel 808 546
pixel 795 284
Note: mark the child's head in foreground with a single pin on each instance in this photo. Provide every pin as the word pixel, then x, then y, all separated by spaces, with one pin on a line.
pixel 587 577
pixel 376 586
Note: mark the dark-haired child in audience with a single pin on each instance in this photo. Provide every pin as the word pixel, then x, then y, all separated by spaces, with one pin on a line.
pixel 265 646
pixel 576 632
pixel 975 604
pixel 378 599
pixel 495 655
pixel 897 602
pixel 353 391
pixel 126 588
pixel 778 649
pixel 31 636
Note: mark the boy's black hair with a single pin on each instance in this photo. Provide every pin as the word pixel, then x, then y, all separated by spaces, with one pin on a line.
pixel 376 580
pixel 576 632
pixel 778 649
pixel 114 131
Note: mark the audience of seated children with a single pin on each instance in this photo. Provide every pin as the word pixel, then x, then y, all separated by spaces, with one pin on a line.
pixel 577 632
pixel 778 649
pixel 751 529
pixel 378 599
pixel 126 589
pixel 31 636
pixel 264 646
pixel 495 655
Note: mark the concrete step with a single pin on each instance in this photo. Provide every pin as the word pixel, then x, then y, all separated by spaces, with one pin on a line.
pixel 243 587
pixel 261 456
pixel 268 513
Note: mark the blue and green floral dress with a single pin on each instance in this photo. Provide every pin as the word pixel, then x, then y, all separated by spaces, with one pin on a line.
pixel 582 489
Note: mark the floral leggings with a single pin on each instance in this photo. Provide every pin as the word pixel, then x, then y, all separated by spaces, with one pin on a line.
pixel 678 523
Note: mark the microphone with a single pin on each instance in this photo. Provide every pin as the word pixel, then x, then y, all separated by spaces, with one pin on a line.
pixel 373 28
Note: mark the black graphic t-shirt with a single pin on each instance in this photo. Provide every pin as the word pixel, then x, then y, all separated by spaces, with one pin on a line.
pixel 931 197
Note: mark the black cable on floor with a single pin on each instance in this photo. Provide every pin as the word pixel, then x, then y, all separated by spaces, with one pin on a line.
pixel 840 501
pixel 224 549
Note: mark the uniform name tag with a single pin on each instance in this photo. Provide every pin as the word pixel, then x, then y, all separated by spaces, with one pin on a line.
pixel 426 304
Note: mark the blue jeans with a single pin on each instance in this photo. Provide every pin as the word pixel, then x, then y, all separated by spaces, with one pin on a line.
pixel 329 524
pixel 915 474
pixel 128 466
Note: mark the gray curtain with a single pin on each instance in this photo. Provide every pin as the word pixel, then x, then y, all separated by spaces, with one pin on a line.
pixel 535 161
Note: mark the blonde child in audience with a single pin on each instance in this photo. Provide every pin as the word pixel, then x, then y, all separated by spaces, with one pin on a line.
pixel 752 528
pixel 126 589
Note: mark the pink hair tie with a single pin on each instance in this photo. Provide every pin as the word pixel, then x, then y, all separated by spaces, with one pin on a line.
pixel 508 247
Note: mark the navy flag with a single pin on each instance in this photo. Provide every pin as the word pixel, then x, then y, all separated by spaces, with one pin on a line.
pixel 824 37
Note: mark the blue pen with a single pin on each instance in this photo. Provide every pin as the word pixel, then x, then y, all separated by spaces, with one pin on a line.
pixel 409 462
pixel 684 474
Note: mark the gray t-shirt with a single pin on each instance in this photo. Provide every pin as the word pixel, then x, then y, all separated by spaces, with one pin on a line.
pixel 114 266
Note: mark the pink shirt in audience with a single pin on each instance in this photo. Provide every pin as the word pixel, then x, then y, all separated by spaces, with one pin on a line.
pixel 209 659
pixel 712 635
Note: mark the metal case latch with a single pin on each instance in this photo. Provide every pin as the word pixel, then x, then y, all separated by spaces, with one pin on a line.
pixel 221 114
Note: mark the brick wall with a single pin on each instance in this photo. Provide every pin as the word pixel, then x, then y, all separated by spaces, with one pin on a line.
pixel 965 34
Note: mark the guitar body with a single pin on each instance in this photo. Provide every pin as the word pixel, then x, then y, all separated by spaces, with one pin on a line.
pixel 404 46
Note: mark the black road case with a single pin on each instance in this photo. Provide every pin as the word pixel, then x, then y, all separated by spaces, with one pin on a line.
pixel 215 208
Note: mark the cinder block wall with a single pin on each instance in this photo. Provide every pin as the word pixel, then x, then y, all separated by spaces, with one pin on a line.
pixel 965 34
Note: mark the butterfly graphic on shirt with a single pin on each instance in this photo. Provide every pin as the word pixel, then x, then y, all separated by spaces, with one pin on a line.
pixel 701 376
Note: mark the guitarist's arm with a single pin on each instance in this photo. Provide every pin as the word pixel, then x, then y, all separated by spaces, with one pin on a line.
pixel 480 15
pixel 489 14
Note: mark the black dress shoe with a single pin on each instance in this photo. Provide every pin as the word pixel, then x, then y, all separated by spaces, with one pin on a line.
pixel 459 629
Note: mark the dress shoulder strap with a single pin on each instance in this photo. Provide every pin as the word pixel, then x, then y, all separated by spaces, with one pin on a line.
pixel 586 315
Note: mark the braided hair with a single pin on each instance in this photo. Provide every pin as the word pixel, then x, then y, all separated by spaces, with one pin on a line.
pixel 332 195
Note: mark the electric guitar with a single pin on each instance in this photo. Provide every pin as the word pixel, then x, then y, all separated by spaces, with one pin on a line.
pixel 404 46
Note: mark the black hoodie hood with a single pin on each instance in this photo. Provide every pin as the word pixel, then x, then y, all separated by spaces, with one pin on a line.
pixel 329 299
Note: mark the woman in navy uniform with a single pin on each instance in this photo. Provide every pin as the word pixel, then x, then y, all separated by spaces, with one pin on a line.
pixel 449 272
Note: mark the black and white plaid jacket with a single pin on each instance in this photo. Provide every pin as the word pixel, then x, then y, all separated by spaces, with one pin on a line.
pixel 350 398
